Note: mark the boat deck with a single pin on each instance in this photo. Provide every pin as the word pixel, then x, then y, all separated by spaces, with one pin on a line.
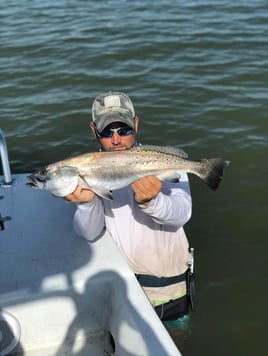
pixel 70 297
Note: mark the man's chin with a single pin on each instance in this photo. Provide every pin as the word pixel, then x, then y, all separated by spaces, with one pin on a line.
pixel 118 148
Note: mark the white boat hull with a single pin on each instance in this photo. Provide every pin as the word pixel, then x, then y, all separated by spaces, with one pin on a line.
pixel 70 297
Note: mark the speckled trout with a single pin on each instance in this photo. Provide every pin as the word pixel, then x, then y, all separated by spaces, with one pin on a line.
pixel 103 172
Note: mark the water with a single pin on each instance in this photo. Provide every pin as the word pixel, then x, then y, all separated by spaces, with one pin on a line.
pixel 197 72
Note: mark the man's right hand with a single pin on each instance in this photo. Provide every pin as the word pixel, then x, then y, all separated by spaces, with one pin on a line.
pixel 80 195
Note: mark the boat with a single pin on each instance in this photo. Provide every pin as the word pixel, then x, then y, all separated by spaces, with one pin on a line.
pixel 60 294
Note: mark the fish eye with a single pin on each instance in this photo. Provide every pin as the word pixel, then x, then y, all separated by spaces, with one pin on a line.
pixel 43 172
pixel 40 175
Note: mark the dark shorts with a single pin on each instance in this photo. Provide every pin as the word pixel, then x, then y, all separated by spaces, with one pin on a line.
pixel 173 309
pixel 177 308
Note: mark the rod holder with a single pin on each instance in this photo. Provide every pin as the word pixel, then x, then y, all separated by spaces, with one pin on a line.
pixel 5 162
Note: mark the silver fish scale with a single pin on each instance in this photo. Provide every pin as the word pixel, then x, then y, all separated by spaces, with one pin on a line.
pixel 161 149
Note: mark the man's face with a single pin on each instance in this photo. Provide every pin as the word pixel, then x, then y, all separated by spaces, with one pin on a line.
pixel 117 142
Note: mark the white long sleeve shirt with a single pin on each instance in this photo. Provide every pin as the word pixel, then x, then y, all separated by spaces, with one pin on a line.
pixel 151 238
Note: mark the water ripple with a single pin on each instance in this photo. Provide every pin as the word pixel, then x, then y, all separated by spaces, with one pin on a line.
pixel 196 67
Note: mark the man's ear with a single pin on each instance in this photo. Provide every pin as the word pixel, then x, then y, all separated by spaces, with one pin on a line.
pixel 136 125
pixel 92 128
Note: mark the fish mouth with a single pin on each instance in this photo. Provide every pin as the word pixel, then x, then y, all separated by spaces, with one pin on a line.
pixel 37 178
pixel 32 182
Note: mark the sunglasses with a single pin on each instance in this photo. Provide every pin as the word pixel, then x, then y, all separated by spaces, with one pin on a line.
pixel 121 131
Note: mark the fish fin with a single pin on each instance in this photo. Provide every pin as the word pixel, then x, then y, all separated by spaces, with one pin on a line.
pixel 169 177
pixel 83 183
pixel 107 194
pixel 163 149
pixel 212 171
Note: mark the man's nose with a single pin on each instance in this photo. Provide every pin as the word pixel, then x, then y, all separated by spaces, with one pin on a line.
pixel 116 139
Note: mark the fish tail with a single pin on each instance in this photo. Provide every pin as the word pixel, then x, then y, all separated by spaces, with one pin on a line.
pixel 211 171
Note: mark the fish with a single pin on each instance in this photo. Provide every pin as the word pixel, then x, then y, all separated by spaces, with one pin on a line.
pixel 105 171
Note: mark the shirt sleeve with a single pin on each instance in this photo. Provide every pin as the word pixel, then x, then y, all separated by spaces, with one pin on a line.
pixel 89 219
pixel 173 205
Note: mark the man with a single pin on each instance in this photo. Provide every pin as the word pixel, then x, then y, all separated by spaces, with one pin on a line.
pixel 145 219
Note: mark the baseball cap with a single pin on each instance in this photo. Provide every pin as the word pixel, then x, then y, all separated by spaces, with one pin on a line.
pixel 111 107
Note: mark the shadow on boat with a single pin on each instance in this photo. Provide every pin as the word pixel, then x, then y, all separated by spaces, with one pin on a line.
pixel 69 296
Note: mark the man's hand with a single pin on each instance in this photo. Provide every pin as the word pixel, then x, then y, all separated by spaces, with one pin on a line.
pixel 80 195
pixel 146 188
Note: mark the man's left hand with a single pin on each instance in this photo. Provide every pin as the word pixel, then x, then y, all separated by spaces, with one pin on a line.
pixel 146 188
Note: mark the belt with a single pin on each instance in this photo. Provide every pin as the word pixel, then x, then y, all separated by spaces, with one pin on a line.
pixel 146 280
pixel 156 303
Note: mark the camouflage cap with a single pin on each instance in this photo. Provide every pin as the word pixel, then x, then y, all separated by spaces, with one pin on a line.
pixel 112 107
